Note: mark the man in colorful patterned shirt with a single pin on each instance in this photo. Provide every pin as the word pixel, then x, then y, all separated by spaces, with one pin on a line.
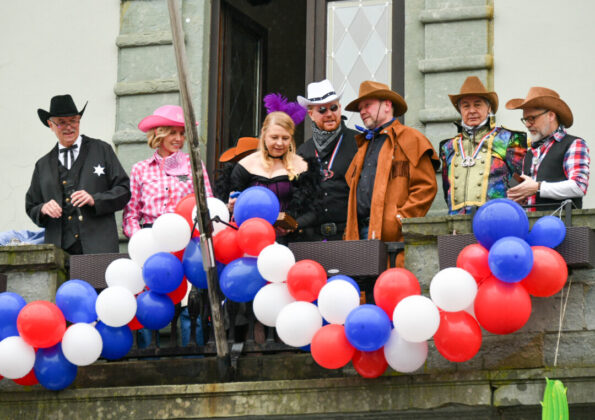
pixel 478 163
pixel 557 164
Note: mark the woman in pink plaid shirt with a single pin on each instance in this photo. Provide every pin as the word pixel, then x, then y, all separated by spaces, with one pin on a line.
pixel 157 184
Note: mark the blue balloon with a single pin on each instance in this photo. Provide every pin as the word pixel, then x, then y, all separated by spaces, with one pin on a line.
pixel 117 341
pixel 497 219
pixel 256 202
pixel 193 267
pixel 510 259
pixel 547 231
pixel 52 369
pixel 240 280
pixel 10 306
pixel 76 299
pixel 347 279
pixel 163 272
pixel 367 327
pixel 154 310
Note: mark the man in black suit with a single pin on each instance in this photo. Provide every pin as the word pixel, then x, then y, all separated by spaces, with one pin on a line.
pixel 333 144
pixel 77 187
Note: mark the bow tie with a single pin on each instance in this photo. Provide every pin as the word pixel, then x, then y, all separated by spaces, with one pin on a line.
pixel 369 134
pixel 69 151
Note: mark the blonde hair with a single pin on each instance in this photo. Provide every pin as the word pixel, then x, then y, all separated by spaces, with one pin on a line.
pixel 284 121
pixel 156 135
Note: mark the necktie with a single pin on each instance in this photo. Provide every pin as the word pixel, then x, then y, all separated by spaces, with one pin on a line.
pixel 68 151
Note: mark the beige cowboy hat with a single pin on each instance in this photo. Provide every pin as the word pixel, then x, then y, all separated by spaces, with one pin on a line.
pixel 472 86
pixel 544 98
pixel 376 90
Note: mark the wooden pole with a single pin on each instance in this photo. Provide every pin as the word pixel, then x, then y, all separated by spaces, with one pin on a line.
pixel 202 213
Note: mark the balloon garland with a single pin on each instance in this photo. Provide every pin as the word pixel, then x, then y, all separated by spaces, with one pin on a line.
pixel 490 288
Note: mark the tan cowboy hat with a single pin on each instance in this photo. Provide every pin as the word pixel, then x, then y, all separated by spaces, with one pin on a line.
pixel 472 86
pixel 544 98
pixel 375 90
pixel 244 146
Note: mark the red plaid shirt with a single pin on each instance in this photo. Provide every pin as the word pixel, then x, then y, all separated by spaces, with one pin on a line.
pixel 155 191
pixel 576 160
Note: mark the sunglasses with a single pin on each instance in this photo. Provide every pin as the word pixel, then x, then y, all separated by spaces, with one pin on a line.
pixel 322 110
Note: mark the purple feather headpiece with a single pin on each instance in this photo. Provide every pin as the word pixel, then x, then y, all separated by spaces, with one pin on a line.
pixel 277 102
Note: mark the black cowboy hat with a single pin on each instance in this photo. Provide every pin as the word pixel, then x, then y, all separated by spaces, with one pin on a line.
pixel 60 106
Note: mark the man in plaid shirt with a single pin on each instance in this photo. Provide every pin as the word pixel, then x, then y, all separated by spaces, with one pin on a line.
pixel 556 167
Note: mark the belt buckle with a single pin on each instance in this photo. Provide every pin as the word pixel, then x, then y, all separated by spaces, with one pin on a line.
pixel 328 229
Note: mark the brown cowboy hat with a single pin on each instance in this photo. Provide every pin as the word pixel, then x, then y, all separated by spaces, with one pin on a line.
pixel 244 146
pixel 472 86
pixel 376 90
pixel 544 98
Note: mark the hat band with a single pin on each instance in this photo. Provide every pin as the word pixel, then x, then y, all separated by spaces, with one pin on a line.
pixel 332 92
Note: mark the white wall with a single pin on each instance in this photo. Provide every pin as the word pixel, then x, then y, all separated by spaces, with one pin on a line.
pixel 547 43
pixel 51 48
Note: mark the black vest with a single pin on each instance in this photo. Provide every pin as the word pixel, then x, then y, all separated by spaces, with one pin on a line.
pixel 70 215
pixel 551 169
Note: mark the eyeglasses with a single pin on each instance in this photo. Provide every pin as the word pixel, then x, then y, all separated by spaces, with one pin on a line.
pixel 65 123
pixel 322 110
pixel 531 119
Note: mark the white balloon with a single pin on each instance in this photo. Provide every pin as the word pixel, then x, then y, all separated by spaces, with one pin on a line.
pixel 217 208
pixel 142 245
pixel 171 232
pixel 453 289
pixel 115 306
pixel 16 357
pixel 404 356
pixel 269 301
pixel 126 273
pixel 336 299
pixel 82 344
pixel 416 318
pixel 297 323
pixel 274 262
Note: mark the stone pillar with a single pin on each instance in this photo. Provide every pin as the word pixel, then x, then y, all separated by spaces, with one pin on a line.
pixel 34 271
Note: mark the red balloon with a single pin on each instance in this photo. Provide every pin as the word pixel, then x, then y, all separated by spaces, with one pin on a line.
pixel 549 273
pixel 392 286
pixel 177 295
pixel 330 348
pixel 225 245
pixel 474 259
pixel 458 338
pixel 179 254
pixel 41 324
pixel 185 207
pixel 135 324
pixel 502 308
pixel 370 364
pixel 254 235
pixel 305 279
pixel 27 380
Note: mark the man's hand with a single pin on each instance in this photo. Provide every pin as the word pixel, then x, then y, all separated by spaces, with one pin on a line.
pixel 82 198
pixel 524 190
pixel 52 209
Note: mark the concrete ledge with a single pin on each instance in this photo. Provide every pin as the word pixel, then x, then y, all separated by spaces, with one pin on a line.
pixel 438 115
pixel 129 137
pixel 456 14
pixel 31 257
pixel 146 87
pixel 470 62
pixel 144 39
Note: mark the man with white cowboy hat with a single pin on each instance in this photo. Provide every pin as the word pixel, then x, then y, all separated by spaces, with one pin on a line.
pixel 77 187
pixel 392 176
pixel 333 144
pixel 556 166
pixel 479 162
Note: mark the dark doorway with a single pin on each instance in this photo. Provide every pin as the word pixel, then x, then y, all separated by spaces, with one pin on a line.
pixel 257 47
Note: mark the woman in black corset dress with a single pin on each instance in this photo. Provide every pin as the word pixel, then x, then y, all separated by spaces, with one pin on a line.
pixel 276 166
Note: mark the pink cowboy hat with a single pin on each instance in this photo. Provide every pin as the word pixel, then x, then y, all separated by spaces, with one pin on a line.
pixel 164 116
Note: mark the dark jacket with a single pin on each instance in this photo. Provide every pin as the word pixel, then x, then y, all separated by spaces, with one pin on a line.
pixel 102 176
pixel 335 191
